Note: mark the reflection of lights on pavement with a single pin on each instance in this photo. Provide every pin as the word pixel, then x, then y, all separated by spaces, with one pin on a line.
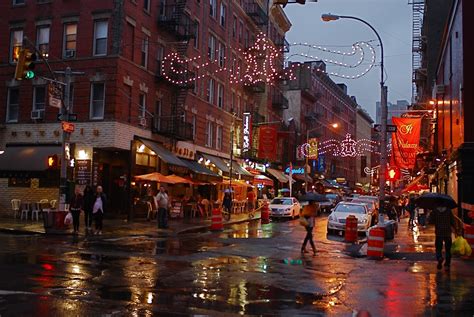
pixel 433 291
pixel 76 269
pixel 47 266
pixel 417 268
pixel 149 298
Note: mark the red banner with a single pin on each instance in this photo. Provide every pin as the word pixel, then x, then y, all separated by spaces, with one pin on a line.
pixel 267 143
pixel 405 142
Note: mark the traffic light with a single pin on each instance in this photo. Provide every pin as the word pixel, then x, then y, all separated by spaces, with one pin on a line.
pixel 393 174
pixel 285 2
pixel 25 65
pixel 53 161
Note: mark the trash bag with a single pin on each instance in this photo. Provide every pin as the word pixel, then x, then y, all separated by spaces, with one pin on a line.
pixel 458 246
pixel 304 222
pixel 68 219
pixel 467 248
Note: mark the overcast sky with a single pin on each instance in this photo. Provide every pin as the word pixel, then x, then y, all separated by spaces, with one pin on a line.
pixel 391 19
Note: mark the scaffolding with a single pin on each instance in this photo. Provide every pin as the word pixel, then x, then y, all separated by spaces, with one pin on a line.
pixel 417 45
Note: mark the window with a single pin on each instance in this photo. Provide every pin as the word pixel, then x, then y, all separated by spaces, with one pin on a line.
pixel 234 27
pixel 162 8
pixel 221 52
pixel 209 134
pixel 246 38
pixel 193 122
pixel 220 95
pixel 18 2
pixel 159 57
pixel 100 37
pixel 39 98
pixel 144 57
pixel 70 38
pixel 196 83
pixel 42 40
pixel 210 91
pixel 142 103
pixel 13 104
pixel 97 100
pixel 211 49
pixel 363 165
pixel 146 5
pixel 241 30
pixel 196 35
pixel 15 44
pixel 232 106
pixel 219 137
pixel 213 8
pixel 157 117
pixel 223 12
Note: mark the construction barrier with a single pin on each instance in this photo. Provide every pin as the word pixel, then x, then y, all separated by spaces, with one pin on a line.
pixel 469 236
pixel 350 234
pixel 216 220
pixel 375 242
pixel 265 213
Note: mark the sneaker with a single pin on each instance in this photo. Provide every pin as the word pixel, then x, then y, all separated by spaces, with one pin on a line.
pixel 440 264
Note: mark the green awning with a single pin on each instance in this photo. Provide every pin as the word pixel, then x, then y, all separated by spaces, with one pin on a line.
pixel 163 153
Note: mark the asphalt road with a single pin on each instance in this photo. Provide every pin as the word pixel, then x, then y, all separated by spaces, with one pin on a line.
pixel 248 269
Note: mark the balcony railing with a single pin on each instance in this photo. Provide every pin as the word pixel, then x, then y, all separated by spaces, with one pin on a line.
pixel 279 101
pixel 255 12
pixel 173 19
pixel 173 127
pixel 258 87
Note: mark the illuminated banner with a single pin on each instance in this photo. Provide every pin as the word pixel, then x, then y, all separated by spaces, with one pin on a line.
pixel 247 132
pixel 405 142
pixel 267 143
pixel 312 149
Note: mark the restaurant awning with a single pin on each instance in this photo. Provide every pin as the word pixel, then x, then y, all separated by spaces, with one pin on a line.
pixel 302 177
pixel 237 169
pixel 26 161
pixel 199 169
pixel 163 153
pixel 263 180
pixel 279 175
pixel 217 161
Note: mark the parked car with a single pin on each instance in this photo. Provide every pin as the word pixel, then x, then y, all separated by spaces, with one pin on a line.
pixel 337 219
pixel 334 198
pixel 284 207
pixel 372 208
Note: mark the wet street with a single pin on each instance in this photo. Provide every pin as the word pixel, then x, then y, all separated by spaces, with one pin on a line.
pixel 248 269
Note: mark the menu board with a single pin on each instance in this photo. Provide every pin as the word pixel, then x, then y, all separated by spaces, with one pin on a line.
pixel 83 172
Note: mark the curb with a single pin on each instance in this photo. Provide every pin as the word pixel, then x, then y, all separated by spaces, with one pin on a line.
pixel 206 227
pixel 20 231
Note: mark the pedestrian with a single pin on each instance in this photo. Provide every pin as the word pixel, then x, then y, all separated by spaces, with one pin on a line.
pixel 227 202
pixel 251 199
pixel 444 220
pixel 89 199
pixel 411 210
pixel 76 205
pixel 309 213
pixel 162 201
pixel 99 209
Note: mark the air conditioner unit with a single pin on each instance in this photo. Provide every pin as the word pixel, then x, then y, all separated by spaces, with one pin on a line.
pixel 70 53
pixel 439 89
pixel 37 114
pixel 142 121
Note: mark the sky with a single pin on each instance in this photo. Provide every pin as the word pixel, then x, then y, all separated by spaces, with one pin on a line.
pixel 393 21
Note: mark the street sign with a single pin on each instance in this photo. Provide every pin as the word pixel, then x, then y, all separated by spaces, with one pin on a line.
pixel 390 128
pixel 67 126
pixel 72 117
pixel 55 93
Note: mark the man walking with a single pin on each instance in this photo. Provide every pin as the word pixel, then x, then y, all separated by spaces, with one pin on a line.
pixel 162 201
pixel 443 219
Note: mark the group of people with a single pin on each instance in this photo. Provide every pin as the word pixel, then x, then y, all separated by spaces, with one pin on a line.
pixel 93 204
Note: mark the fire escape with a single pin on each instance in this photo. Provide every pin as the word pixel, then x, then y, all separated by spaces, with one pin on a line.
pixel 418 45
pixel 174 20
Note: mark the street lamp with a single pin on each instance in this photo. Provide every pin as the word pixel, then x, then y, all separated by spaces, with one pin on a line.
pixel 383 101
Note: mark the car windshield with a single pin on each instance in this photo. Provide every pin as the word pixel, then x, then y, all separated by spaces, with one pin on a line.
pixel 281 201
pixel 367 202
pixel 356 209
pixel 331 196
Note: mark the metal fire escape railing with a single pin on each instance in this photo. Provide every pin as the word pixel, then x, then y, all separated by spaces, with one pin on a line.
pixel 417 46
pixel 173 19
pixel 255 12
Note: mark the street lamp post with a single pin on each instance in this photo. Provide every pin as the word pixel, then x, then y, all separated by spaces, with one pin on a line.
pixel 383 101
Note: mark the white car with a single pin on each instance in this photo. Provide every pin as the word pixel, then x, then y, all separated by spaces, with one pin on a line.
pixel 337 219
pixel 284 207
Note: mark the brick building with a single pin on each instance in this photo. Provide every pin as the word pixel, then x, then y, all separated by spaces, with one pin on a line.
pixel 134 115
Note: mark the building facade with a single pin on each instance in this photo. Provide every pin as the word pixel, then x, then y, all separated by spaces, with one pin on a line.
pixel 364 128
pixel 158 79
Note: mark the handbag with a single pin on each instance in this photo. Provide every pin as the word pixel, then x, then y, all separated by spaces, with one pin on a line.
pixel 304 222
pixel 68 219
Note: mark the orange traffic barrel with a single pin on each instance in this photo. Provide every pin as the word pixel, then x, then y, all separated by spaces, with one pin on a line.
pixel 375 242
pixel 469 236
pixel 350 234
pixel 265 213
pixel 216 220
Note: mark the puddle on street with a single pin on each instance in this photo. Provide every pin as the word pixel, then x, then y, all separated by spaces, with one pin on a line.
pixel 252 229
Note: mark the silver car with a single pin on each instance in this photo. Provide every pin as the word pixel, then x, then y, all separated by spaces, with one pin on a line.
pixel 284 207
pixel 337 219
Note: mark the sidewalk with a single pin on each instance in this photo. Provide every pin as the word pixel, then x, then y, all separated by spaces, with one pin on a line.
pixel 121 227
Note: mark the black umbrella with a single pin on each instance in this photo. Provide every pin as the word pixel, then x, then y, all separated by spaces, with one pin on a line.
pixel 433 200
pixel 313 197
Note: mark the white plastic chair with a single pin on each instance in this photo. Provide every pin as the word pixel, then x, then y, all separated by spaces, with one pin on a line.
pixel 53 203
pixel 25 209
pixel 16 204
pixel 35 209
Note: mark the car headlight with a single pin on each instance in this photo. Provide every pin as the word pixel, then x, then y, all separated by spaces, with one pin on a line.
pixel 332 218
pixel 363 220
pixel 288 209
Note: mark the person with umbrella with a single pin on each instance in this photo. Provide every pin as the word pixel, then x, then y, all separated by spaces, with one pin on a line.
pixel 309 213
pixel 444 220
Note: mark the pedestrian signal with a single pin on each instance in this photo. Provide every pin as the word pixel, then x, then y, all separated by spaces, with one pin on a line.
pixel 53 161
pixel 393 174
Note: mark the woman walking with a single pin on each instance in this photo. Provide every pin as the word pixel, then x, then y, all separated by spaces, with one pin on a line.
pixel 99 209
pixel 76 205
pixel 89 199
pixel 309 212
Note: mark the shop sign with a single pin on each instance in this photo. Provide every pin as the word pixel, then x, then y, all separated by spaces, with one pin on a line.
pixel 321 163
pixel 185 150
pixel 405 142
pixel 83 172
pixel 300 152
pixel 312 149
pixel 267 143
pixel 247 132
pixel 96 174
pixel 254 166
pixel 67 126
pixel 296 170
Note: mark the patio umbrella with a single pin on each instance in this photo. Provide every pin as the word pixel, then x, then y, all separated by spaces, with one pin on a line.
pixel 433 200
pixel 313 197
pixel 180 180
pixel 155 177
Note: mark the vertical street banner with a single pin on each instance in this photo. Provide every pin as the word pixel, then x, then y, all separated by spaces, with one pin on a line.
pixel 312 152
pixel 267 143
pixel 55 95
pixel 405 142
pixel 247 132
